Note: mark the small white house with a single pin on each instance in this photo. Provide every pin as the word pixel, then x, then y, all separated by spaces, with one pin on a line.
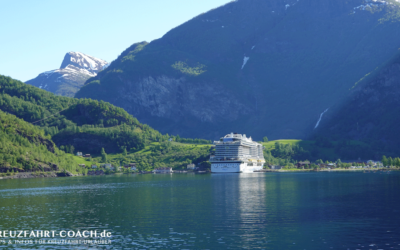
pixel 78 153
pixel 133 168
pixel 170 139
pixel 191 166
pixel 94 166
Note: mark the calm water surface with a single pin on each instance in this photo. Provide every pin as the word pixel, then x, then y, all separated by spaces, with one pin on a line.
pixel 345 210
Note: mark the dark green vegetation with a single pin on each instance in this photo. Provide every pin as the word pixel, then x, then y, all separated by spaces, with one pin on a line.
pixel 303 59
pixel 282 152
pixel 370 113
pixel 25 147
pixel 84 125
pixel 190 140
pixel 394 162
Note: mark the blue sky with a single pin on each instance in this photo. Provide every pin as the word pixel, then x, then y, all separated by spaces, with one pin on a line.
pixel 35 35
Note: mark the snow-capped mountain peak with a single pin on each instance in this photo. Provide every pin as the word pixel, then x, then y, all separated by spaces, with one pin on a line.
pixel 75 69
pixel 80 60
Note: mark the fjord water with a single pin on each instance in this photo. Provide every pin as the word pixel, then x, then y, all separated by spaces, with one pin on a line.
pixel 341 210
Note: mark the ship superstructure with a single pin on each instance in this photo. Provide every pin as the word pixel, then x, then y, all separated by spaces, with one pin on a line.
pixel 235 153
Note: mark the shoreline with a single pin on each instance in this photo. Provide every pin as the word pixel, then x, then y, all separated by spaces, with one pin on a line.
pixel 327 170
pixel 30 175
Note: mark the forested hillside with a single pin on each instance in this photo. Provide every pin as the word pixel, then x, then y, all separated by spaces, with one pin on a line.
pixel 25 147
pixel 86 124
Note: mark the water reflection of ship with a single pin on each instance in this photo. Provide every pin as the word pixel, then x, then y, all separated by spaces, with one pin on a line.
pixel 259 207
pixel 240 207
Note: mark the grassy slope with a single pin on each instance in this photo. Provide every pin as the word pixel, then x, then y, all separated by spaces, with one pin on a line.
pixel 81 160
pixel 156 154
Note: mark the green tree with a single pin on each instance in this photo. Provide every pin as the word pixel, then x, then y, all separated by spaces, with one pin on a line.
pixel 265 139
pixel 390 161
pixel 397 162
pixel 384 161
pixel 103 155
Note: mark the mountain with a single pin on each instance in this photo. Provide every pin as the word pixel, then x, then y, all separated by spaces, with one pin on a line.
pixel 370 112
pixel 75 69
pixel 252 66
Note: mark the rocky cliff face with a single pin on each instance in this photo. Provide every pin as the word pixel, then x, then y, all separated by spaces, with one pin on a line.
pixel 251 66
pixel 177 101
pixel 75 69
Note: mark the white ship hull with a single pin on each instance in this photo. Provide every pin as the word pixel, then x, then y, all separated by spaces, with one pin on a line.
pixel 234 167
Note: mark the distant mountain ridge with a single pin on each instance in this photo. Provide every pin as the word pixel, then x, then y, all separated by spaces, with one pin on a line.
pixel 75 69
pixel 252 66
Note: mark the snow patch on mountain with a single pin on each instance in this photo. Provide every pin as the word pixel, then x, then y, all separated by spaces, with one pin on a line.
pixel 245 59
pixel 288 5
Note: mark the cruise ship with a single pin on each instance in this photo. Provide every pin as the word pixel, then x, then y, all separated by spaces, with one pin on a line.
pixel 235 153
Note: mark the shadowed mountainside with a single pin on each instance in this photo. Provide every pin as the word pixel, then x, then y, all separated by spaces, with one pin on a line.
pixel 263 67
pixel 371 111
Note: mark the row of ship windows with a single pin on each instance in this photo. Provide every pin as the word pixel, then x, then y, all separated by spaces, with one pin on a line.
pixel 235 152
pixel 223 165
pixel 234 146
